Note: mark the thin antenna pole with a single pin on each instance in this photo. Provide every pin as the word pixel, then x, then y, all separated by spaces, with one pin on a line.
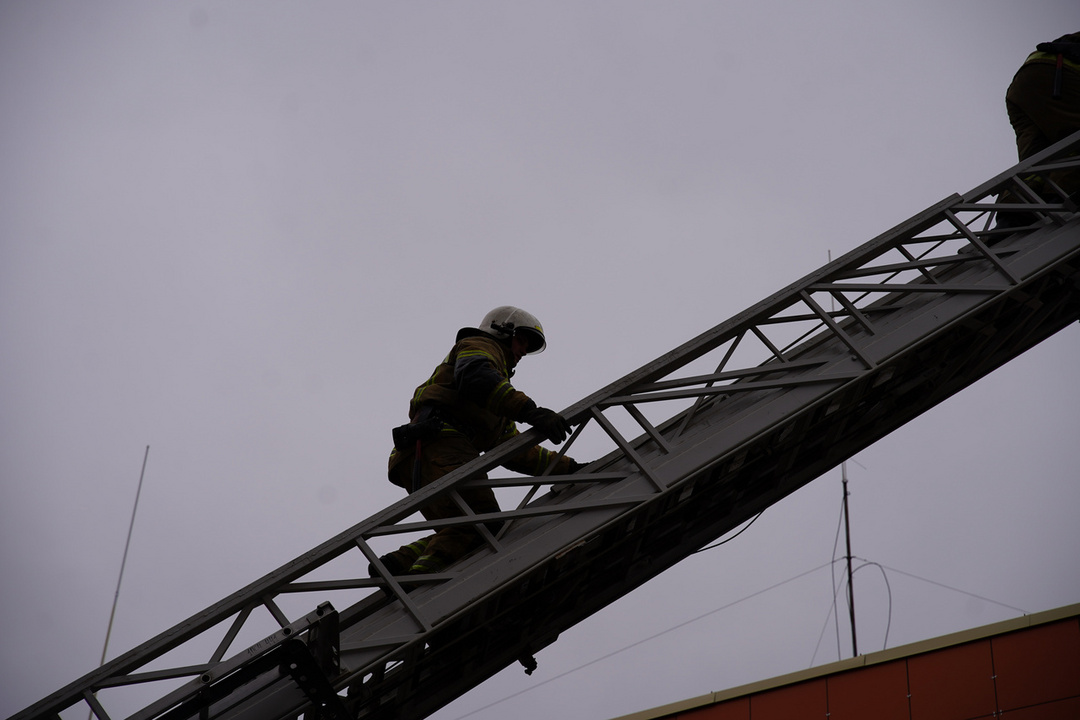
pixel 123 562
pixel 851 584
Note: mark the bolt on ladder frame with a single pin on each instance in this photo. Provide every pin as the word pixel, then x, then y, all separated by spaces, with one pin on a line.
pixel 700 440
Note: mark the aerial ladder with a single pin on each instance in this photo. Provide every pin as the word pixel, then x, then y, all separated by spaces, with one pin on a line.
pixel 701 440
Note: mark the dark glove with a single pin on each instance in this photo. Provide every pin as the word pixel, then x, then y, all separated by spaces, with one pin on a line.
pixel 575 466
pixel 553 425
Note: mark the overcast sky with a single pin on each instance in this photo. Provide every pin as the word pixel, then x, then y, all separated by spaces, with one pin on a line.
pixel 241 234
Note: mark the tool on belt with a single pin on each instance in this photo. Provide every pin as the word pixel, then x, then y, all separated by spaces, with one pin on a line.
pixel 411 437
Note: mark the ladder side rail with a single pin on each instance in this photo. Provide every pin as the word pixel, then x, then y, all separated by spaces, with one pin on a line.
pixel 275 582
pixel 976 288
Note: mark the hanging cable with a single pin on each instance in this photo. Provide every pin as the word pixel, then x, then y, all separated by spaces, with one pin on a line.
pixel 949 587
pixel 727 540
pixel 888 588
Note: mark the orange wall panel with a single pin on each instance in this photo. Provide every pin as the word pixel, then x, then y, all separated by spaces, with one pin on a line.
pixel 956 682
pixel 805 701
pixel 1038 665
pixel 878 691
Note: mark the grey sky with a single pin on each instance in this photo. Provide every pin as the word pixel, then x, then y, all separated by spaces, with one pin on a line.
pixel 241 233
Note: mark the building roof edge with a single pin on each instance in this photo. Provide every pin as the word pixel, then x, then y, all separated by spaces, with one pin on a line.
pixel 903 651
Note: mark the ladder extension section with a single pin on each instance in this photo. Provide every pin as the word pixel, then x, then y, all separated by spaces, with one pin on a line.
pixel 701 440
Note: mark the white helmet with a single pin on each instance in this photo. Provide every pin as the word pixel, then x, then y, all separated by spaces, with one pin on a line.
pixel 505 321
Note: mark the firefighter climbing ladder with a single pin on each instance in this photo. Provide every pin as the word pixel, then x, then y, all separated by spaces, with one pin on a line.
pixel 701 439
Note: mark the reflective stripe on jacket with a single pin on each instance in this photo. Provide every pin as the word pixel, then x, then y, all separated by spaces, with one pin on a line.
pixel 1051 59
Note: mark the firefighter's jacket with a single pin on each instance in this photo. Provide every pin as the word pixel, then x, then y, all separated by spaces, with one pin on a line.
pixel 470 395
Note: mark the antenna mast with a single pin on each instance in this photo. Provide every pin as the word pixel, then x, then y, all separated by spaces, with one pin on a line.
pixel 123 561
pixel 850 578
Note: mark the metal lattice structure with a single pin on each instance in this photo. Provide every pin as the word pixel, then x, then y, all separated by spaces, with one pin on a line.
pixel 701 440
